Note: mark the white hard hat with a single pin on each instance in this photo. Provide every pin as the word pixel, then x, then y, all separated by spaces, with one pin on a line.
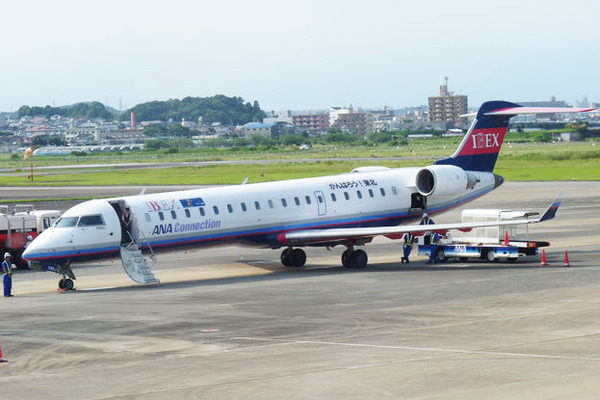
pixel 29 237
pixel 7 255
pixel 425 215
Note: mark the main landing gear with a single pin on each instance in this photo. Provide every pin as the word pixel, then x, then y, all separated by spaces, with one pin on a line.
pixel 351 258
pixel 356 259
pixel 291 257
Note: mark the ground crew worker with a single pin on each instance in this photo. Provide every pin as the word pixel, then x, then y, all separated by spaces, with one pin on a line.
pixel 433 247
pixel 409 239
pixel 7 271
pixel 425 220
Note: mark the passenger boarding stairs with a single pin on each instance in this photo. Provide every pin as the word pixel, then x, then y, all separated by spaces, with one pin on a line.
pixel 135 264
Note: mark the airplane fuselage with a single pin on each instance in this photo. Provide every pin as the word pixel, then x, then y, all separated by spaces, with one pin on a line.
pixel 253 214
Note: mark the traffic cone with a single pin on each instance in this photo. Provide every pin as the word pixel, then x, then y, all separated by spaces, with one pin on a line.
pixel 506 238
pixel 566 263
pixel 544 263
pixel 2 360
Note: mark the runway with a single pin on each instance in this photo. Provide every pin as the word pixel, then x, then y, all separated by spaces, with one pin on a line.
pixel 231 323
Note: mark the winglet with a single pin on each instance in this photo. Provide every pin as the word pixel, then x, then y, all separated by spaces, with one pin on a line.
pixel 552 208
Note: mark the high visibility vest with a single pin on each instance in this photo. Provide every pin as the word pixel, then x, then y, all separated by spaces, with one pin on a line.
pixel 6 267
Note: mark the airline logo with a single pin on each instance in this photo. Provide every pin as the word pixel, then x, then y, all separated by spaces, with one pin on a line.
pixel 484 141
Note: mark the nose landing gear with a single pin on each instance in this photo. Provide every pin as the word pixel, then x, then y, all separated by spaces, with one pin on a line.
pixel 66 283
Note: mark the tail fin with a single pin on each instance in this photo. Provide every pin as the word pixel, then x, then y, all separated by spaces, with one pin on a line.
pixel 480 147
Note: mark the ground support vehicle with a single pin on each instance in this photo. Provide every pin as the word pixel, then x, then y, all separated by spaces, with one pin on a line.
pixel 490 243
pixel 19 222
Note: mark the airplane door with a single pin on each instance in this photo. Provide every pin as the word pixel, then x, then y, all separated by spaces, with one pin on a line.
pixel 126 218
pixel 321 204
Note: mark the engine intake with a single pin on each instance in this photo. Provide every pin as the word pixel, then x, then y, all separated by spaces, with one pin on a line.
pixel 444 180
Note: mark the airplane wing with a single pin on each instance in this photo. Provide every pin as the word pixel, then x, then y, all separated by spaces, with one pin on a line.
pixel 312 236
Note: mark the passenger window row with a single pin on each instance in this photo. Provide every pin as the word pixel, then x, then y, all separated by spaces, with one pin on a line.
pixel 284 203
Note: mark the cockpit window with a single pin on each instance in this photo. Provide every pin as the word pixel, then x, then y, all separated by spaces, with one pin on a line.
pixel 66 222
pixel 91 220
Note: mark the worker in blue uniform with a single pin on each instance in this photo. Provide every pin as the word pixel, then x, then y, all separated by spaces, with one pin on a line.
pixel 433 248
pixel 425 220
pixel 409 239
pixel 7 271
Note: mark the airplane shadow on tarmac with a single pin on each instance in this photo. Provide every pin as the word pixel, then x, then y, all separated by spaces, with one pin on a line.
pixel 282 273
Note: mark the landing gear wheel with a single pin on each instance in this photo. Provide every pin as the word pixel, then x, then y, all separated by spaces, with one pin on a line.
pixel 346 255
pixel 298 258
pixel 69 284
pixel 61 284
pixel 359 259
pixel 354 259
pixel 286 257
pixel 293 257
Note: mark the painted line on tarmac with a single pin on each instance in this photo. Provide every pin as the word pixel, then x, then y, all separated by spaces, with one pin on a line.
pixel 434 349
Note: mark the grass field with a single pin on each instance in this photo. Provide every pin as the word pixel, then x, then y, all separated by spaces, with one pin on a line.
pixel 517 162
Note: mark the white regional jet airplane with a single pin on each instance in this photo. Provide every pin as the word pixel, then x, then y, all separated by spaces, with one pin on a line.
pixel 348 209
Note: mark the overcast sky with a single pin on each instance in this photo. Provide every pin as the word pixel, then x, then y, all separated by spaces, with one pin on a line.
pixel 297 55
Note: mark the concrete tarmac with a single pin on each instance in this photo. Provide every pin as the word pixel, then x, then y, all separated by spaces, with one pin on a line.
pixel 230 322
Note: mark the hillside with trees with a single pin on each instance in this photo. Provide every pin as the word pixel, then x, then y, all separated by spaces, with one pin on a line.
pixel 91 110
pixel 219 108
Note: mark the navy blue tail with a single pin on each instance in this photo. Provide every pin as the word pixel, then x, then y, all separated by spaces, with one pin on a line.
pixel 480 147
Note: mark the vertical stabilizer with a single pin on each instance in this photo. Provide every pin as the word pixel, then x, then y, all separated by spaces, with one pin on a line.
pixel 480 147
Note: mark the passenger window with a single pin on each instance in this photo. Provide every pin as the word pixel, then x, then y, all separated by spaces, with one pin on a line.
pixel 394 191
pixel 173 214
pixel 371 194
pixel 333 197
pixel 147 216
pixel 270 202
pixel 243 205
pixel 229 208
pixel 257 205
pixel 284 202
pixel 187 213
pixel 202 211
pixel 382 190
pixel 297 201
pixel 359 194
pixel 216 210
pixel 346 195
pixel 307 198
pixel 320 198
pixel 161 216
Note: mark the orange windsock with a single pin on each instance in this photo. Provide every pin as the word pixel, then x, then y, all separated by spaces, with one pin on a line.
pixel 28 153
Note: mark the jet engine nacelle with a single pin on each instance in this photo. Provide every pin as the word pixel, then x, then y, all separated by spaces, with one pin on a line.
pixel 444 180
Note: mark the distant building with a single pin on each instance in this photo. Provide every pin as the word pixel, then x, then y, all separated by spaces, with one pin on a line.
pixel 314 123
pixel 552 103
pixel 272 130
pixel 346 120
pixel 446 109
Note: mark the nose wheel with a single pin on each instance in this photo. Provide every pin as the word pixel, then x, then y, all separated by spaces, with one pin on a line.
pixel 66 284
